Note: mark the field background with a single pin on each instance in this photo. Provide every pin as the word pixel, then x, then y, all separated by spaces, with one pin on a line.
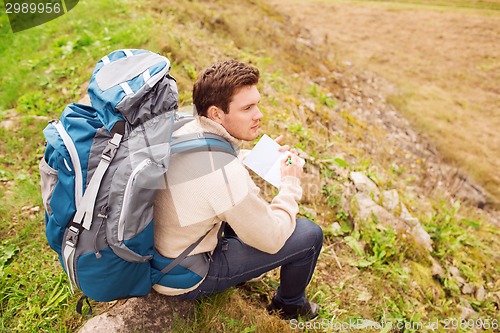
pixel 336 78
pixel 443 59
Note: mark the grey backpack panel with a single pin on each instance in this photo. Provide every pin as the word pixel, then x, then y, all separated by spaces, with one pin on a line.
pixel 148 102
pixel 125 69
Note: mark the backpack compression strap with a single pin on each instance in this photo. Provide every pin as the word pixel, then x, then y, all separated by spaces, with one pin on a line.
pixel 85 210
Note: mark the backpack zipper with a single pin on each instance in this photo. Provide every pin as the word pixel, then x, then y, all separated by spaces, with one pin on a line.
pixel 98 254
pixel 126 197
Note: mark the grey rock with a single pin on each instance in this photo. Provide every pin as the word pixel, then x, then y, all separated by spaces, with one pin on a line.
pixel 467 289
pixel 363 206
pixel 152 313
pixel 85 100
pixel 455 273
pixel 437 270
pixel 480 293
pixel 363 183
pixel 467 310
pixel 390 200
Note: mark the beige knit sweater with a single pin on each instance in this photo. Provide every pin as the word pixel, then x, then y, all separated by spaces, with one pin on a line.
pixel 206 188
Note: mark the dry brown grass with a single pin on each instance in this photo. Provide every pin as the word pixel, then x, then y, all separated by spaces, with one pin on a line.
pixel 443 59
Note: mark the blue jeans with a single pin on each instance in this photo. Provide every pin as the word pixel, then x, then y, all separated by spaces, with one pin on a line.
pixel 235 262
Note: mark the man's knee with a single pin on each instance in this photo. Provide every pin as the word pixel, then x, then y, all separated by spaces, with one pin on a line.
pixel 310 230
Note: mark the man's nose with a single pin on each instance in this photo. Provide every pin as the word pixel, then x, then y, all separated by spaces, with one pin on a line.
pixel 259 115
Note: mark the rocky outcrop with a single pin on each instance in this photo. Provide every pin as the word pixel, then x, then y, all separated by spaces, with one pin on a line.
pixel 364 95
pixel 387 208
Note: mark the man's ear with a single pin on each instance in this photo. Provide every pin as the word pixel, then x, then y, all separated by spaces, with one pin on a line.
pixel 215 114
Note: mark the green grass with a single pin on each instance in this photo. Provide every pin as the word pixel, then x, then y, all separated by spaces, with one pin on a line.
pixel 33 290
pixel 44 67
pixel 384 275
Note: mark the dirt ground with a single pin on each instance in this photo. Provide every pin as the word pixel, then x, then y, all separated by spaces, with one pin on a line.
pixel 444 61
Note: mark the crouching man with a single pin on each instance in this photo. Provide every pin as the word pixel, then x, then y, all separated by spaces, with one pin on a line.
pixel 207 188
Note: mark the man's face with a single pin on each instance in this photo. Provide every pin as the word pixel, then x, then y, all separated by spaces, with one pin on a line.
pixel 243 119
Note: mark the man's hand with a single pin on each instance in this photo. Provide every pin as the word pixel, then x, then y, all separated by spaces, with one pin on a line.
pixel 278 140
pixel 291 165
pixel 283 148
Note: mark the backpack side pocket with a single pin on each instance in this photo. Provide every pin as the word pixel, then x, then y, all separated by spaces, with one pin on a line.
pixel 48 180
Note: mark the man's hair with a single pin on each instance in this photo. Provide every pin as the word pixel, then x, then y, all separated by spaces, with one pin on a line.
pixel 217 84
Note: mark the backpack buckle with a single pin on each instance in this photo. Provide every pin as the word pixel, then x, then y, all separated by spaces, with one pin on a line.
pixel 107 156
pixel 72 236
pixel 109 151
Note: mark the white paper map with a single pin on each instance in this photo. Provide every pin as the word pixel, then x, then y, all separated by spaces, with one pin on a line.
pixel 264 159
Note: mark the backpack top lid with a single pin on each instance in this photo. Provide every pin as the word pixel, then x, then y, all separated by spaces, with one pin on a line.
pixel 132 85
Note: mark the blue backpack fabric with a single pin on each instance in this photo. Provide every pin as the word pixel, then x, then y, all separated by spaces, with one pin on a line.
pixel 102 167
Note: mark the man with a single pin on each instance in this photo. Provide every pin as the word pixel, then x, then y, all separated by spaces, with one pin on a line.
pixel 207 188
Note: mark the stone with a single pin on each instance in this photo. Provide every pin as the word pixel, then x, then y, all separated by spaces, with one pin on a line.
pixel 335 226
pixel 407 217
pixel 422 237
pixel 455 273
pixel 416 229
pixel 363 183
pixel 463 188
pixel 9 119
pixel 467 313
pixel 85 100
pixel 104 323
pixel 390 200
pixel 466 309
pixel 152 313
pixel 480 293
pixel 363 207
pixel 7 124
pixel 467 289
pixel 310 105
pixel 437 270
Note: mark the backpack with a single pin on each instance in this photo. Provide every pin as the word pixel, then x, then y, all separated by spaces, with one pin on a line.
pixel 100 172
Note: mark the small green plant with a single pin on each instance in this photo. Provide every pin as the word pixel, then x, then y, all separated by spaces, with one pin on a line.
pixel 381 244
pixel 296 128
pixel 323 97
pixel 190 70
pixel 333 193
pixel 7 252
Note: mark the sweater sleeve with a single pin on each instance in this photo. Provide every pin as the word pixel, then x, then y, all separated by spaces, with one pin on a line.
pixel 265 226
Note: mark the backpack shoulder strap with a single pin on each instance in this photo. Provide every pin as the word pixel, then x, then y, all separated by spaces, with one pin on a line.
pixel 196 142
pixel 86 209
pixel 201 141
pixel 184 253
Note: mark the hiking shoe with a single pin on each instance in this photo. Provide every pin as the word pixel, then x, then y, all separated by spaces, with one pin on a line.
pixel 306 312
